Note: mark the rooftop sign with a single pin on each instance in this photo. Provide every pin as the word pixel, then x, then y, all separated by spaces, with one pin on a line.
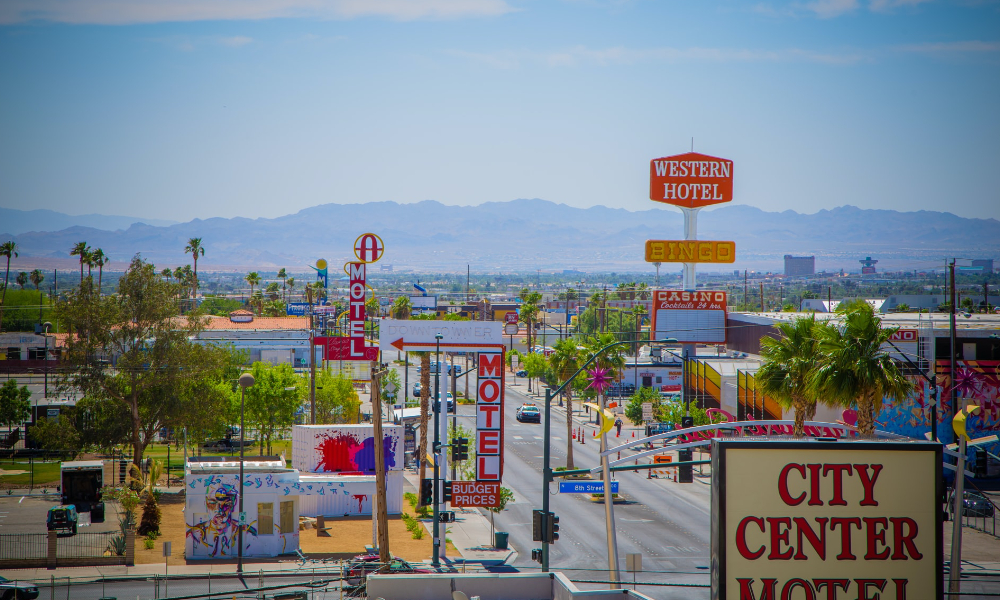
pixel 691 180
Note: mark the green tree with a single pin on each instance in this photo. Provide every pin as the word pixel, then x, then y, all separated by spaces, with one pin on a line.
pixel 789 366
pixel 855 369
pixel 633 407
pixel 58 434
pixel 21 279
pixel 336 399
pixel 535 364
pixel 401 308
pixel 565 362
pixel 283 276
pixel 253 279
pixel 506 496
pixel 37 277
pixel 15 404
pixel 82 250
pixel 529 312
pixel 7 249
pixel 902 307
pixel 195 248
pixel 99 258
pixel 271 402
pixel 155 362
pixel 102 423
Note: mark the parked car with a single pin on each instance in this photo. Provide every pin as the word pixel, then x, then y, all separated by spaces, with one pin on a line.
pixel 14 590
pixel 529 413
pixel 416 390
pixel 225 444
pixel 974 505
pixel 521 373
pixel 449 403
pixel 361 566
pixel 62 518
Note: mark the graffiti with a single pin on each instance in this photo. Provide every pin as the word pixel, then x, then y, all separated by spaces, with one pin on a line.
pixel 360 498
pixel 343 453
pixel 219 533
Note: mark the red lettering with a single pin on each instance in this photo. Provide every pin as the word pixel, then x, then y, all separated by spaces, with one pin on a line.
pixel 868 482
pixel 875 537
pixel 902 539
pixel 489 390
pixel 778 537
pixel 863 587
pixel 845 535
pixel 768 590
pixel 814 499
pixel 818 542
pixel 487 410
pixel 741 538
pixel 900 588
pixel 783 484
pixel 791 584
pixel 488 442
pixel 831 586
pixel 490 365
pixel 838 482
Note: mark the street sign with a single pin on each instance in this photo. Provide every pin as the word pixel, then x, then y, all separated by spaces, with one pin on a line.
pixel 389 387
pixel 691 180
pixel 585 487
pixel 475 493
pixel 647 411
pixel 510 329
pixel 166 549
pixel 243 518
pixel 690 251
pixel 510 317
pixel 689 317
pixel 457 336
pixel 297 309
pixel 633 563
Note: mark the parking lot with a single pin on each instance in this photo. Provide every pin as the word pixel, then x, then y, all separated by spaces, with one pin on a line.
pixel 26 514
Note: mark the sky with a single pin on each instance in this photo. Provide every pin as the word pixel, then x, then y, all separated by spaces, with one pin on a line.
pixel 190 109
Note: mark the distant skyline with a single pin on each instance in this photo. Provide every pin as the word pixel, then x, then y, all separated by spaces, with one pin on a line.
pixel 203 108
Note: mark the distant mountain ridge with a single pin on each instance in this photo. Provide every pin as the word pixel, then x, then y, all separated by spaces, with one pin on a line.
pixel 528 234
pixel 14 221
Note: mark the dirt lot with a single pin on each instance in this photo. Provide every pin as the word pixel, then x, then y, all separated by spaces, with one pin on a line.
pixel 348 537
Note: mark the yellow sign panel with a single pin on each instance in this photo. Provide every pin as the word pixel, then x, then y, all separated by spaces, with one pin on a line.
pixel 690 251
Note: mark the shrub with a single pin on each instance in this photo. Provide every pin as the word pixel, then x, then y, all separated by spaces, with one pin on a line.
pixel 150 522
pixel 148 542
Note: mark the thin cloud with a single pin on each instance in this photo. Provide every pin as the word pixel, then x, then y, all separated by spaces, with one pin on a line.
pixel 235 41
pixel 889 5
pixel 827 9
pixel 186 43
pixel 952 48
pixel 125 12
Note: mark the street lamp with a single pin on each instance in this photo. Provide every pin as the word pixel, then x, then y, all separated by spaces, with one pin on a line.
pixel 46 326
pixel 246 380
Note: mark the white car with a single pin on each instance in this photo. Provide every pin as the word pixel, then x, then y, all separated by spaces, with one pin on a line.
pixel 529 412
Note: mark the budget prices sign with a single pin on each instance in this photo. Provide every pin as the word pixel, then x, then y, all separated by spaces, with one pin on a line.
pixel 691 180
pixel 818 519
pixel 474 493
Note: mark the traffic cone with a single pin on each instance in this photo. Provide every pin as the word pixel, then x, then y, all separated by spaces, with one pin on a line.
pixel 633 433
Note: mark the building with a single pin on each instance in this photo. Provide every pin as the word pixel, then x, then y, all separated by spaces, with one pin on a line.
pixel 799 266
pixel 986 264
pixel 278 340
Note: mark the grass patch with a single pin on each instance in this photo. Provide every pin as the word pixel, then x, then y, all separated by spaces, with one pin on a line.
pixel 46 472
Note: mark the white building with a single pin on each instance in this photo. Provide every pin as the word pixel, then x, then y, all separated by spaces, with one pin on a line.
pixel 278 340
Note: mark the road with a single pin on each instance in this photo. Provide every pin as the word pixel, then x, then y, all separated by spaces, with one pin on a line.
pixel 666 522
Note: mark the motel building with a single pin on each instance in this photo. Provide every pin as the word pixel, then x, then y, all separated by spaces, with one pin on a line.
pixel 277 340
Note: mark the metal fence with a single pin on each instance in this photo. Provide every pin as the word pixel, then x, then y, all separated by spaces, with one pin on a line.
pixel 24 546
pixel 979 511
pixel 86 545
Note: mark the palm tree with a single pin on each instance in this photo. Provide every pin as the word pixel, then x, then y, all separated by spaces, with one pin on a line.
pixel 167 274
pixel 8 249
pixel 100 259
pixel 565 362
pixel 789 366
pixel 856 370
pixel 253 279
pixel 36 279
pixel 195 248
pixel 22 279
pixel 282 275
pixel 81 249
pixel 529 311
pixel 291 286
pixel 401 308
pixel 425 394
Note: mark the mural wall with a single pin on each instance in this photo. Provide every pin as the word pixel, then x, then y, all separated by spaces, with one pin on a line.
pixel 344 449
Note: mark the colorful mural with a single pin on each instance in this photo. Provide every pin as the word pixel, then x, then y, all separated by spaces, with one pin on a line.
pixel 342 452
pixel 218 535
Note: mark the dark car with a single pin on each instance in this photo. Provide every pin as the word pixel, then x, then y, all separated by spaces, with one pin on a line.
pixel 361 566
pixel 974 505
pixel 521 373
pixel 449 403
pixel 12 590
pixel 416 390
pixel 227 444
pixel 62 518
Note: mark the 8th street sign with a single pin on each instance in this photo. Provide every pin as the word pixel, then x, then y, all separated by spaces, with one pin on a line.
pixel 691 180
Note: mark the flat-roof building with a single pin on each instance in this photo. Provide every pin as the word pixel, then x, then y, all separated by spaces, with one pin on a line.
pixel 799 266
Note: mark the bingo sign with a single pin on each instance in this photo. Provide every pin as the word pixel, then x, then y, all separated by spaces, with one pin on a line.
pixel 689 317
pixel 368 248
pixel 826 520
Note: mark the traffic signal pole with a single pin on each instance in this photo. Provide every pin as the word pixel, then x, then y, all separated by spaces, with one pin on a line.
pixel 546 471
pixel 436 525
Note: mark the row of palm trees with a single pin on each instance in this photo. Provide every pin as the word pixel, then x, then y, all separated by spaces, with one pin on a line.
pixel 91 257
pixel 845 365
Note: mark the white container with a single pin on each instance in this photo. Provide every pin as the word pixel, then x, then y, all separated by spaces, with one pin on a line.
pixel 345 449
pixel 347 495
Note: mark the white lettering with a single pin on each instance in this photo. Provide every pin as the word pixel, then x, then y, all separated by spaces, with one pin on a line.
pixel 669 191
pixel 661 167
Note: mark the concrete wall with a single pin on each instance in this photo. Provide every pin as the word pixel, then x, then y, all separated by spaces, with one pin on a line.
pixel 488 586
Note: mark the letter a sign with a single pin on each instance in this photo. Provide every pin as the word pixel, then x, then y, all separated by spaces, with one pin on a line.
pixel 691 180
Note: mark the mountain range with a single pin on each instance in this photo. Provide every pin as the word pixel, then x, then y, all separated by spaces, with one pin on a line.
pixel 518 235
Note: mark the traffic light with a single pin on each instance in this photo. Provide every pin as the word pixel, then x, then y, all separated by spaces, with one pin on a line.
pixel 537 526
pixel 981 462
pixel 687 422
pixel 551 528
pixel 447 491
pixel 685 473
pixel 536 555
pixel 426 491
pixel 460 449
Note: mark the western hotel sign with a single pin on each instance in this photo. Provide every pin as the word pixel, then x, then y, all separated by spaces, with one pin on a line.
pixel 822 520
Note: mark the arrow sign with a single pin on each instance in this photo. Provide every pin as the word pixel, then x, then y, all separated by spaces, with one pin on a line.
pixel 459 336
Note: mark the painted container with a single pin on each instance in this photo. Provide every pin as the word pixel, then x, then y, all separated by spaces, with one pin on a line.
pixel 344 449
pixel 347 495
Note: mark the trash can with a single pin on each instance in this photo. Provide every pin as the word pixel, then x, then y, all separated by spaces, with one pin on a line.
pixel 500 540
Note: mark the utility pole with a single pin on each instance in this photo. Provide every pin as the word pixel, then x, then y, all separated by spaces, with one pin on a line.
pixel 382 516
pixel 609 507
pixel 955 569
pixel 762 296
pixel 312 359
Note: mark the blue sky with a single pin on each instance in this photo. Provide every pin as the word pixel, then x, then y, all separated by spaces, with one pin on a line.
pixel 201 108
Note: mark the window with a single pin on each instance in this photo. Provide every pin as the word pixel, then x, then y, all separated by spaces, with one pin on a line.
pixel 265 518
pixel 288 516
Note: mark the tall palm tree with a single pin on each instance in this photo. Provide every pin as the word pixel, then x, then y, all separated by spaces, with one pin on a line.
pixel 291 286
pixel 167 274
pixel 195 248
pixel 565 361
pixel 22 279
pixel 402 308
pixel 37 277
pixel 856 370
pixel 100 259
pixel 789 366
pixel 81 249
pixel 282 275
pixel 425 394
pixel 529 311
pixel 8 249
pixel 253 279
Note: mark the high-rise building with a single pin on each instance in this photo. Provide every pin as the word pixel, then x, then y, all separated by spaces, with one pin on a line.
pixel 986 264
pixel 797 266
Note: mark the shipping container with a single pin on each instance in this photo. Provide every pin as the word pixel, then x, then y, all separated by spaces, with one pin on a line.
pixel 347 495
pixel 345 449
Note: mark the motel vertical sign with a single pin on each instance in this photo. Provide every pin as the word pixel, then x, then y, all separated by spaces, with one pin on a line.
pixel 826 519
pixel 489 417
